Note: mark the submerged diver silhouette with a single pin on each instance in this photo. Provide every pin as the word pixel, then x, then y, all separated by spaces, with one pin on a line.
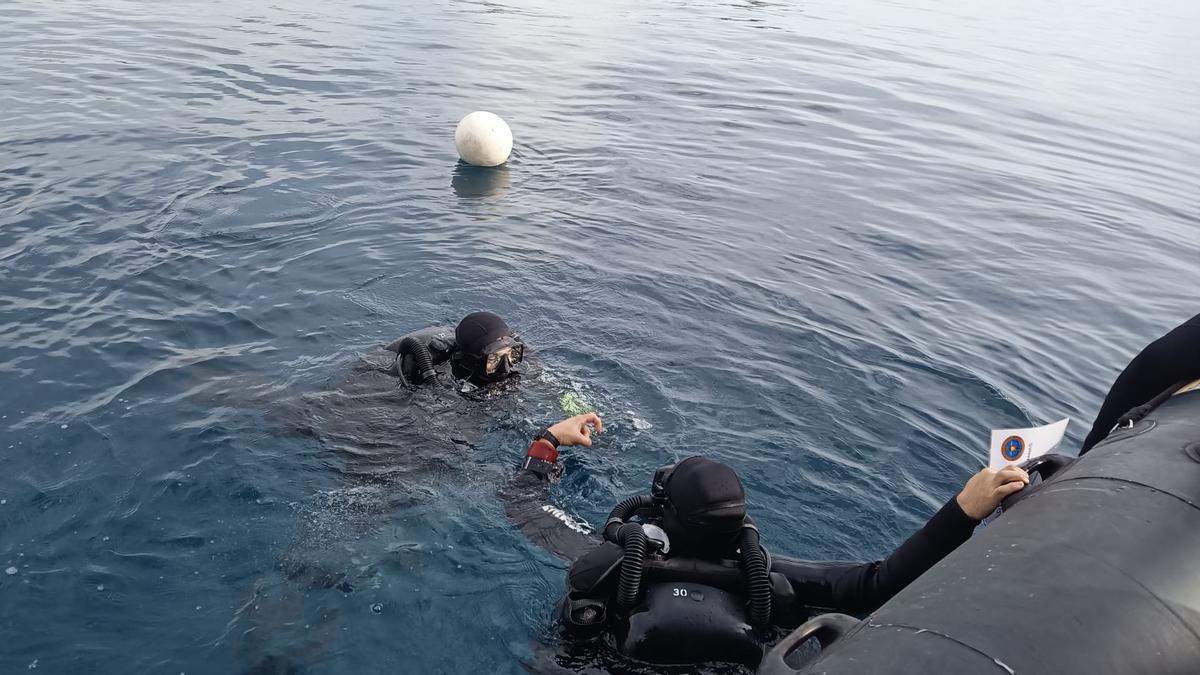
pixel 391 428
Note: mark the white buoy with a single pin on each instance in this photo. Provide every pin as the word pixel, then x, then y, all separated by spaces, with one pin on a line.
pixel 483 139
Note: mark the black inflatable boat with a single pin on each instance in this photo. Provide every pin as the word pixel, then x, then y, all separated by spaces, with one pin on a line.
pixel 1095 570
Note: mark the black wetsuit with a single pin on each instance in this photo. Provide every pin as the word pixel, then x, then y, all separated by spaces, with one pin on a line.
pixel 1168 361
pixel 816 585
pixel 547 526
pixel 387 442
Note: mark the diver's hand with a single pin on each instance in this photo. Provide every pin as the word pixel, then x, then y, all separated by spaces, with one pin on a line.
pixel 984 491
pixel 577 430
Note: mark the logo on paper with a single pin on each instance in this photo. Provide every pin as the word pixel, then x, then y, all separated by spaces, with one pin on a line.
pixel 1012 448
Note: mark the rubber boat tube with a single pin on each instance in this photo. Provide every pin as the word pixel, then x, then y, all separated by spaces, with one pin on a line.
pixel 1095 570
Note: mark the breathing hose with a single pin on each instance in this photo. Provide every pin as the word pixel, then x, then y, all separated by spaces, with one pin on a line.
pixel 632 539
pixel 420 352
pixel 626 508
pixel 757 573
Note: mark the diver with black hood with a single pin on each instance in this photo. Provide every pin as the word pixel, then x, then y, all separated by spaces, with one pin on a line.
pixel 679 576
pixel 481 351
pixel 405 415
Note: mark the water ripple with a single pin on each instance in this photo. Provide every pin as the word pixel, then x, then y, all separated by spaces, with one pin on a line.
pixel 829 245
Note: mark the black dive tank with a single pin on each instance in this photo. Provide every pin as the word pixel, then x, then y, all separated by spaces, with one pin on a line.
pixel 1096 571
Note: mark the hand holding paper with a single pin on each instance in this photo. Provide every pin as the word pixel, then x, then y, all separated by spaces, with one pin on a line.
pixel 986 489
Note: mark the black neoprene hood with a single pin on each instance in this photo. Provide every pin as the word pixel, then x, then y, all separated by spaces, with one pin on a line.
pixel 478 330
pixel 706 497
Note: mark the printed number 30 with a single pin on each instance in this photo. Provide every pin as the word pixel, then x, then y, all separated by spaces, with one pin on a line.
pixel 680 592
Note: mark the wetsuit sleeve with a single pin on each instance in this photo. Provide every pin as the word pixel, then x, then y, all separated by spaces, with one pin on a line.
pixel 1170 360
pixel 858 587
pixel 525 503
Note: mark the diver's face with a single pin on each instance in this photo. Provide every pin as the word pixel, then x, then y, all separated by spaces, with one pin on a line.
pixel 502 362
pixel 499 360
pixel 497 365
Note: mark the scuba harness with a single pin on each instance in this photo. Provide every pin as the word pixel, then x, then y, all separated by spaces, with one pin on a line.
pixel 680 577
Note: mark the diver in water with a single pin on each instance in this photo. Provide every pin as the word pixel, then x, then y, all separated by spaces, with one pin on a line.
pixel 386 444
pixel 479 352
pixel 678 576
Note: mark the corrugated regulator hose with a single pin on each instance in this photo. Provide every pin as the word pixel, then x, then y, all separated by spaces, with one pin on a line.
pixel 626 508
pixel 420 352
pixel 757 574
pixel 632 539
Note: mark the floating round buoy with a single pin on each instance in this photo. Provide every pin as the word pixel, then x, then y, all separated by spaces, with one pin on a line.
pixel 483 139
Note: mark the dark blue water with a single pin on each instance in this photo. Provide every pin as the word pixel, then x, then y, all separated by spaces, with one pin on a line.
pixel 828 245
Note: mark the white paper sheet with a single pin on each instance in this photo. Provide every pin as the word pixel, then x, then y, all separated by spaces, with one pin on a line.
pixel 1014 446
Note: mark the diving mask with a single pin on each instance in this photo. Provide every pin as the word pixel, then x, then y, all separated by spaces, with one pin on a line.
pixel 501 356
pixel 506 357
